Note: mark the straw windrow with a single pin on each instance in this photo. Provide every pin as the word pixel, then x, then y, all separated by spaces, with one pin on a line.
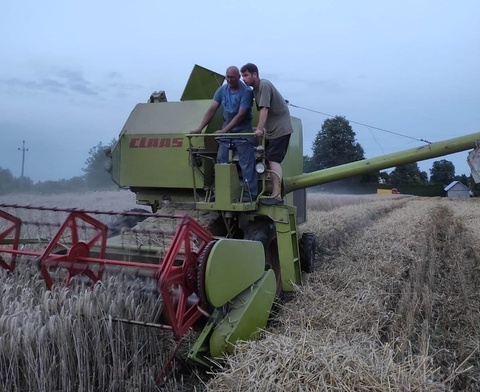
pixel 393 306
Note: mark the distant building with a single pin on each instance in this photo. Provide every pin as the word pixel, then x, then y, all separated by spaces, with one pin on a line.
pixel 457 189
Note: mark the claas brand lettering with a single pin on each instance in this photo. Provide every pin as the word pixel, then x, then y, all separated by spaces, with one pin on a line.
pixel 155 142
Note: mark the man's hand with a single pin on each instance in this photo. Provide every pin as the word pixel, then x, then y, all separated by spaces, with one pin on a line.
pixel 258 132
pixel 198 130
pixel 220 131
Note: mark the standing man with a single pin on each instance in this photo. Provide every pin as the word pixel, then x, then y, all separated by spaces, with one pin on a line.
pixel 236 100
pixel 274 118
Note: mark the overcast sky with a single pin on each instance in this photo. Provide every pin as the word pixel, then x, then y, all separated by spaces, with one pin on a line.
pixel 72 71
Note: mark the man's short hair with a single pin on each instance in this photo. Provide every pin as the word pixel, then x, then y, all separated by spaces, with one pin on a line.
pixel 249 67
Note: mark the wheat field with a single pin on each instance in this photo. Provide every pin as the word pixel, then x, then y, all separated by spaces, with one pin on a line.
pixel 393 305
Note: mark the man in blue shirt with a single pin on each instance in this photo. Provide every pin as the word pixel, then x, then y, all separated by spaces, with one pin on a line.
pixel 236 99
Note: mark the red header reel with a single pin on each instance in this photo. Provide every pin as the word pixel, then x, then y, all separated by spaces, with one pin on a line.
pixel 80 237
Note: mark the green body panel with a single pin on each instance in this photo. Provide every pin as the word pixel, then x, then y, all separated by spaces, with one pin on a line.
pixel 232 266
pixel 200 351
pixel 166 117
pixel 229 190
pixel 152 151
pixel 137 149
pixel 287 241
pixel 417 154
pixel 202 84
pixel 292 165
pixel 248 315
pixel 234 207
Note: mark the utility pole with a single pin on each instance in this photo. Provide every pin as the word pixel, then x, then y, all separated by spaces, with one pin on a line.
pixel 23 150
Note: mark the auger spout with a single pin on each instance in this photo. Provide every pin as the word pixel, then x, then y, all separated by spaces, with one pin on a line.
pixel 416 154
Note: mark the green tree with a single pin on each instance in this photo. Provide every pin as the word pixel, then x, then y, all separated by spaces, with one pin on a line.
pixel 335 145
pixel 463 179
pixel 408 174
pixel 474 187
pixel 385 177
pixel 10 184
pixel 442 172
pixel 25 184
pixel 73 184
pixel 308 165
pixel 7 181
pixel 96 176
pixel 424 177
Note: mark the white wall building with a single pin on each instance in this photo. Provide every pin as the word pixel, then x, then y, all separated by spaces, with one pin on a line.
pixel 457 189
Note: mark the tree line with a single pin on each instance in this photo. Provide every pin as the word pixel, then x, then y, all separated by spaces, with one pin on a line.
pixel 335 145
pixel 94 177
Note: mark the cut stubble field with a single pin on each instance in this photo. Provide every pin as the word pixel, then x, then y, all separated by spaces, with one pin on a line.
pixel 393 305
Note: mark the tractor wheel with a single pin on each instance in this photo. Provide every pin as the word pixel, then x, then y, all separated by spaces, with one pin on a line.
pixel 308 248
pixel 264 231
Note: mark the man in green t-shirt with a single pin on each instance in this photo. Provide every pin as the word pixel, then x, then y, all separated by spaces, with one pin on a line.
pixel 273 123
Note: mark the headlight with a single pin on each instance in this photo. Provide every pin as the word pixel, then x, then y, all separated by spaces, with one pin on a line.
pixel 260 168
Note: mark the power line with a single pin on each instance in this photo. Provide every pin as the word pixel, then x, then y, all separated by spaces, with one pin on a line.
pixel 359 123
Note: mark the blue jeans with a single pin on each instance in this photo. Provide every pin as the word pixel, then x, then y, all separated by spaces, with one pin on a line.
pixel 246 159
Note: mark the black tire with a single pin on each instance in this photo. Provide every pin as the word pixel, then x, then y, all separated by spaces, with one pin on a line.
pixel 308 249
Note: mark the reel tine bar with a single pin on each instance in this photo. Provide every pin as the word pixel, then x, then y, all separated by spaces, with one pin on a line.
pixel 14 228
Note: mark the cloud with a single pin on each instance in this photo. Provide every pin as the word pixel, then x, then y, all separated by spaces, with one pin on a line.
pixel 48 85
pixel 76 82
pixel 113 75
pixel 66 81
pixel 60 82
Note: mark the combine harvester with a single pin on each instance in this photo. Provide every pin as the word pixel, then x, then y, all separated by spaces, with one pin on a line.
pixel 222 258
